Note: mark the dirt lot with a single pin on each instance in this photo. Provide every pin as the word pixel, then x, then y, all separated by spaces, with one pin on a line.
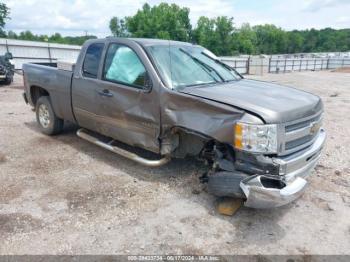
pixel 63 195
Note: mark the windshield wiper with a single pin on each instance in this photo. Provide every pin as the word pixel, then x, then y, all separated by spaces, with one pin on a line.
pixel 223 64
pixel 208 67
pixel 200 84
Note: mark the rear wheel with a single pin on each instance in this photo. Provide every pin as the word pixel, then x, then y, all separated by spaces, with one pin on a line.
pixel 8 80
pixel 48 122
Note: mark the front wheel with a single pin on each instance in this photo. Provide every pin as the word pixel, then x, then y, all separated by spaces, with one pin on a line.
pixel 48 122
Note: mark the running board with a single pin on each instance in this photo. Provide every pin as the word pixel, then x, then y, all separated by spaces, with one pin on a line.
pixel 147 162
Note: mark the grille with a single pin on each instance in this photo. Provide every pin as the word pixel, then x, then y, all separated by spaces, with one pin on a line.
pixel 300 134
pixel 298 142
pixel 301 124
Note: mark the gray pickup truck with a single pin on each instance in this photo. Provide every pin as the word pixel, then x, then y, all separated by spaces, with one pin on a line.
pixel 154 100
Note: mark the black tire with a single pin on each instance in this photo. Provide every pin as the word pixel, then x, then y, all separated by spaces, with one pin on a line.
pixel 49 124
pixel 226 184
pixel 8 80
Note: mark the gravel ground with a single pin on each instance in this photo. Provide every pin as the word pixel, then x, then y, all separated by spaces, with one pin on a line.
pixel 62 195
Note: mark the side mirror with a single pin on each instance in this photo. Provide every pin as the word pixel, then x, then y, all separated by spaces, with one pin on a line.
pixel 8 56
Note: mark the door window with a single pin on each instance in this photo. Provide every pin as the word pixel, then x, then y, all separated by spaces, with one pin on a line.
pixel 92 60
pixel 122 65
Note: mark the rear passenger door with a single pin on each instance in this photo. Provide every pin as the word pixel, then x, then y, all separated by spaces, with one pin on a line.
pixel 85 86
pixel 128 103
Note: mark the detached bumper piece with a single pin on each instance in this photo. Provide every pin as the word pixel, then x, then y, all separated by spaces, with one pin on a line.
pixel 263 191
pixel 267 192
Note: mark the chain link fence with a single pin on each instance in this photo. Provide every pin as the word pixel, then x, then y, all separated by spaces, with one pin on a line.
pixel 262 65
pixel 303 64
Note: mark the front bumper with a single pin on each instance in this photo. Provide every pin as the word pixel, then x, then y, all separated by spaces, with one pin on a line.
pixel 264 191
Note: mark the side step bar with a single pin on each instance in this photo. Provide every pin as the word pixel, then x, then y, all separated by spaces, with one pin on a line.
pixel 147 162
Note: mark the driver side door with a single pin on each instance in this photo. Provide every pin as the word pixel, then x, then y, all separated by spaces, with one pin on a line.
pixel 127 105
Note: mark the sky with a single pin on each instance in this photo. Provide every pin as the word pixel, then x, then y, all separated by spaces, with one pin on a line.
pixel 76 17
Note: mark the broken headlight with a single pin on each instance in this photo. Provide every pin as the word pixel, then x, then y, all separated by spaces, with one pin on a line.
pixel 255 138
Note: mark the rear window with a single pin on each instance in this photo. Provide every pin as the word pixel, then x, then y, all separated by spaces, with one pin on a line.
pixel 92 60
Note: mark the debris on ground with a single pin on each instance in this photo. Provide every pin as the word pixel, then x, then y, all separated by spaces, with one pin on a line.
pixel 228 206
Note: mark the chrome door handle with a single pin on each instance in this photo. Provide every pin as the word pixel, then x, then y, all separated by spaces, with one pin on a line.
pixel 105 92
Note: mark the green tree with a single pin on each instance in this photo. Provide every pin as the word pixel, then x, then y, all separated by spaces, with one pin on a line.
pixel 270 39
pixel 56 38
pixel 219 35
pixel 245 40
pixel 295 42
pixel 311 40
pixel 77 40
pixel 163 21
pixel 204 33
pixel 27 35
pixel 118 27
pixel 215 34
pixel 223 32
pixel 4 15
pixel 12 35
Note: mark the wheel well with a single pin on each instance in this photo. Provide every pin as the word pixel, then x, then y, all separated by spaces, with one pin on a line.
pixel 181 142
pixel 36 92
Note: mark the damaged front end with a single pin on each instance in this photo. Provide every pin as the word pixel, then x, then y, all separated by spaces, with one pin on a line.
pixel 262 162
pixel 268 192
pixel 263 181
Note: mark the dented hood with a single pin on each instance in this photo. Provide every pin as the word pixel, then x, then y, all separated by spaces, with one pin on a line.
pixel 272 102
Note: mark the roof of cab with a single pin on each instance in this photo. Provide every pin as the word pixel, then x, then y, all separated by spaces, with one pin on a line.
pixel 141 41
pixel 150 42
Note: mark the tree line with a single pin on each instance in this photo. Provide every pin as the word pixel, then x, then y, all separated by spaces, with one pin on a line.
pixel 55 38
pixel 220 35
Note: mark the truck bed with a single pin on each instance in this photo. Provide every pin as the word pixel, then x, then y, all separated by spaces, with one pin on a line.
pixel 55 81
